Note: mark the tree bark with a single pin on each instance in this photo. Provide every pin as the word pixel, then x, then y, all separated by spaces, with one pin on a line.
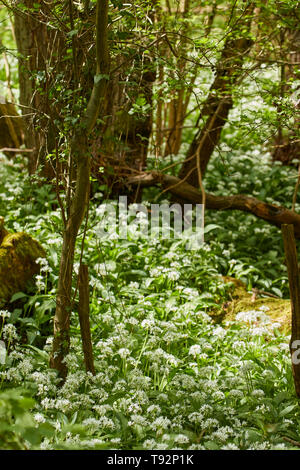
pixel 124 143
pixel 37 45
pixel 177 106
pixel 84 318
pixel 11 127
pixel 294 283
pixel 287 146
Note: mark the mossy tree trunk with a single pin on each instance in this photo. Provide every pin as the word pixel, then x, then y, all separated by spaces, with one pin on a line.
pixel 78 204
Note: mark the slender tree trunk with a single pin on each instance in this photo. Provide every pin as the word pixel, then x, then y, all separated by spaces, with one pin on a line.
pixel 125 142
pixel 177 104
pixel 287 146
pixel 84 317
pixel 219 101
pixel 159 115
pixel 210 18
pixel 80 151
pixel 294 283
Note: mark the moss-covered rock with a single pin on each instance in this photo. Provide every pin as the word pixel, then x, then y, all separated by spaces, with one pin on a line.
pixel 243 301
pixel 18 255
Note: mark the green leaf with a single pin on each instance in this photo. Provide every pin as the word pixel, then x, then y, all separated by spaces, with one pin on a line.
pixel 31 335
pixel 210 227
pixel 40 352
pixel 17 296
pixel 287 410
pixel 277 291
pixel 100 76
pixel 72 33
pixel 210 445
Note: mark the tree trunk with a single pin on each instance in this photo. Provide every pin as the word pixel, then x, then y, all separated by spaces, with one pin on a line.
pixel 287 146
pixel 219 101
pixel 124 144
pixel 11 128
pixel 177 106
pixel 37 43
pixel 79 201
pixel 84 318
pixel 294 283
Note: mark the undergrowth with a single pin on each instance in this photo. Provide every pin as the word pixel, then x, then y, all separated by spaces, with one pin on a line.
pixel 167 376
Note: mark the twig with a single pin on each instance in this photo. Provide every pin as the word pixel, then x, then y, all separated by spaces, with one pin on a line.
pixel 267 294
pixel 295 443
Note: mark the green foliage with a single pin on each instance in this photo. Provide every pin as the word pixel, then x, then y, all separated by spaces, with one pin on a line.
pixel 166 375
pixel 18 429
pixel 251 249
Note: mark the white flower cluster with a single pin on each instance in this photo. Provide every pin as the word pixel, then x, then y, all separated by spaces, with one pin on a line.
pixel 9 332
pixel 258 322
pixel 5 314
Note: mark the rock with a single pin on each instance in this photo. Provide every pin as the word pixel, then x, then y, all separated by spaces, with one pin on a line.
pixel 279 310
pixel 18 255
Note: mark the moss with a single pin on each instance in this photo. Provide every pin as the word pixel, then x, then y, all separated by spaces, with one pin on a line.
pixel 18 254
pixel 3 231
pixel 243 301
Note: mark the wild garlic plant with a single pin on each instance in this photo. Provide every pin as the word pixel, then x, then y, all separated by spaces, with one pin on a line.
pixel 167 376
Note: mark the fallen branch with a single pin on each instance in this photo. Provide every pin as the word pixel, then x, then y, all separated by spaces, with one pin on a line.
pixel 266 294
pixel 291 441
pixel 8 149
pixel 274 214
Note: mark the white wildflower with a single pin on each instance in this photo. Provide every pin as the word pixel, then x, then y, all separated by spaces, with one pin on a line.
pixel 218 395
pixel 258 393
pixel 160 423
pixel 195 350
pixel 123 353
pixel 5 314
pixel 173 275
pixel 9 332
pixel 264 308
pixel 39 418
pixel 181 439
pixel 219 332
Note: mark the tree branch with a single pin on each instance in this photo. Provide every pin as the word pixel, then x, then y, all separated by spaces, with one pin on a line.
pixel 275 215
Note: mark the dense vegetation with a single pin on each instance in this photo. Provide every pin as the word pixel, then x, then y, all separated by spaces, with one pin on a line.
pixel 173 369
pixel 166 375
